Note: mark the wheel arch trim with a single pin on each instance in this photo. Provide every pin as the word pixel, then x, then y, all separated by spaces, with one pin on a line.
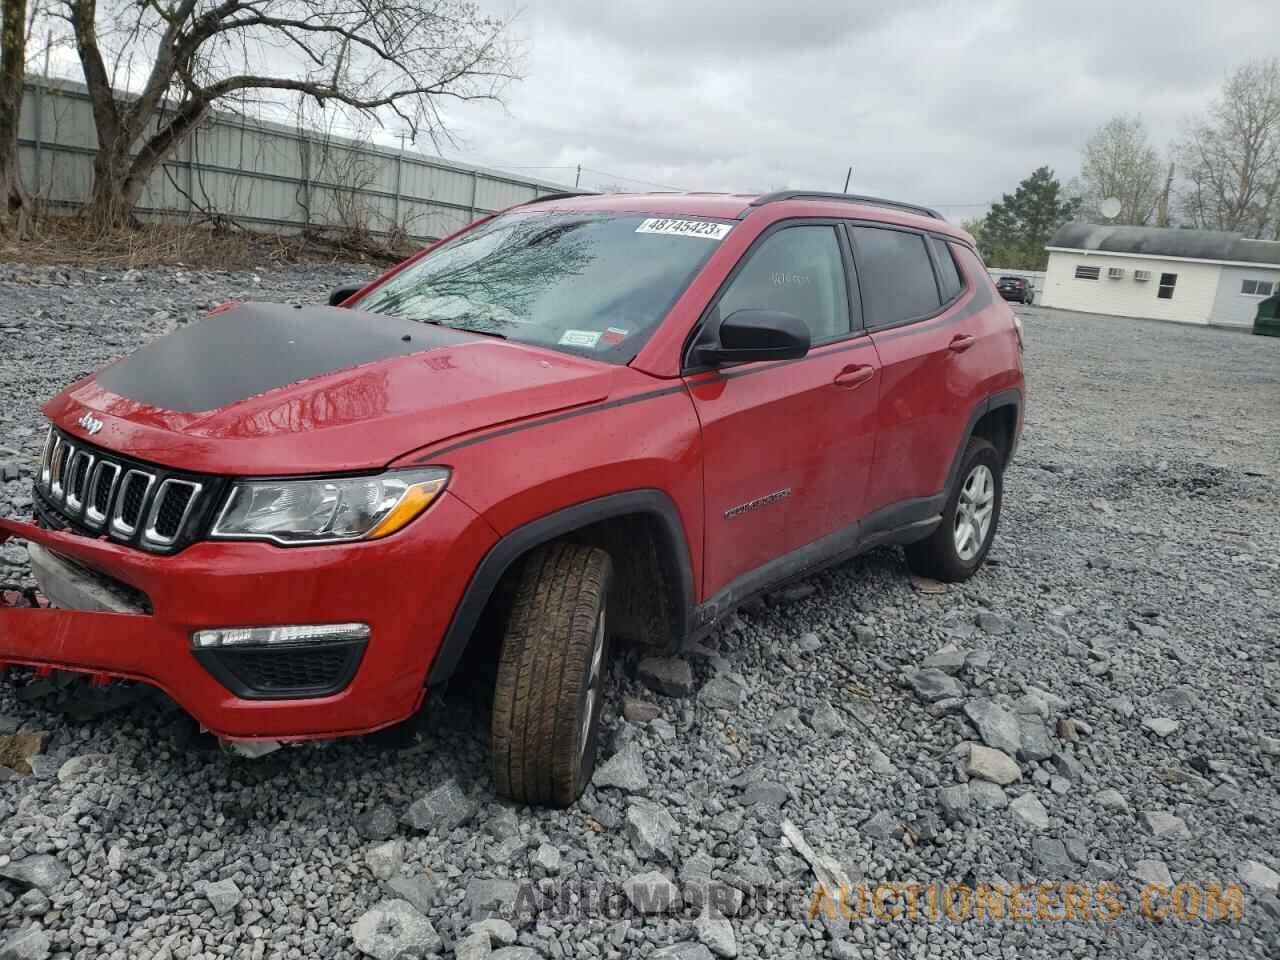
pixel 673 555
pixel 1005 398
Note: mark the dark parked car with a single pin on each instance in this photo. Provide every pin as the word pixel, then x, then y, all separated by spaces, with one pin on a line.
pixel 1015 288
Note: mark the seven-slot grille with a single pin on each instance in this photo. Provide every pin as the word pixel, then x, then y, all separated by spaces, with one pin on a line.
pixel 102 493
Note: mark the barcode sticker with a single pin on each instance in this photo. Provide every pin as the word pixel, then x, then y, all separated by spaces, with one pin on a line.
pixel 704 229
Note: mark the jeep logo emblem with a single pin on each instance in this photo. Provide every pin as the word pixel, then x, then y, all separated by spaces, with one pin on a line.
pixel 90 423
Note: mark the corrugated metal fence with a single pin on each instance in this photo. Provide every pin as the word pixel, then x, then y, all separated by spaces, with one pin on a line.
pixel 266 175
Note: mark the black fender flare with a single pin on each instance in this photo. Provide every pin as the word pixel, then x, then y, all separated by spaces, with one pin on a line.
pixel 1005 398
pixel 673 555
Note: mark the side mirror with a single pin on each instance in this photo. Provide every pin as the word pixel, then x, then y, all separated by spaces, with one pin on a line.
pixel 755 335
pixel 344 292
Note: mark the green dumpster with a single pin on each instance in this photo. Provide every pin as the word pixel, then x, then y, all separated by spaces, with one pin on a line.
pixel 1267 322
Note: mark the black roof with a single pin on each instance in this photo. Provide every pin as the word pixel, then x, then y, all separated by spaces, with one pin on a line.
pixel 1167 242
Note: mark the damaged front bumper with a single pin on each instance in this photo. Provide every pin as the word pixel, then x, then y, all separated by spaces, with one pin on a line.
pixel 405 588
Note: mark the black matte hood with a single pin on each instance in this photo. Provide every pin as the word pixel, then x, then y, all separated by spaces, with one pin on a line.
pixel 270 390
pixel 251 348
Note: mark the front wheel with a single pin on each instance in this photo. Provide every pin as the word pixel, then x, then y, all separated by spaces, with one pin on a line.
pixel 549 689
pixel 955 550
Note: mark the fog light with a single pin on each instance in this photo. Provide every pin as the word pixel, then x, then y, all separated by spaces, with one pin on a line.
pixel 269 636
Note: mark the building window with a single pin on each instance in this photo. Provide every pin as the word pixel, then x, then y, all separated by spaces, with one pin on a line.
pixel 1088 273
pixel 1167 281
pixel 1256 288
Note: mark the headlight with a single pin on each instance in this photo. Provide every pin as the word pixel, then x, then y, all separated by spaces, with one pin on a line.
pixel 328 510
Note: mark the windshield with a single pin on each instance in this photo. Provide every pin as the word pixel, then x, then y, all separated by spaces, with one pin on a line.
pixel 592 284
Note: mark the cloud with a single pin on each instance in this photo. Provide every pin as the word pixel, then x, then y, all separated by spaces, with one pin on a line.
pixel 949 104
pixel 715 29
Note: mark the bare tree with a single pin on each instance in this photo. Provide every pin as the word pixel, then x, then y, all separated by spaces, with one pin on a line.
pixel 1162 207
pixel 1119 162
pixel 342 176
pixel 399 57
pixel 1231 157
pixel 13 62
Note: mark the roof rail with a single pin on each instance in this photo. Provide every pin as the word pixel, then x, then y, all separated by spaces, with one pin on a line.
pixel 781 195
pixel 564 195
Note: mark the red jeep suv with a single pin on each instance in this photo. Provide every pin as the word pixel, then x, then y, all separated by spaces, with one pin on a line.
pixel 588 419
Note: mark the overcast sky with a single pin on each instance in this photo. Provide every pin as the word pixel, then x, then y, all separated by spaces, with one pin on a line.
pixel 948 104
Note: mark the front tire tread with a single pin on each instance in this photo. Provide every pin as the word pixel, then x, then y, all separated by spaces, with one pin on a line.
pixel 546 654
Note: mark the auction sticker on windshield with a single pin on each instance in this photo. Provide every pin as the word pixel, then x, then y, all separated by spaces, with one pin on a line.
pixel 580 338
pixel 685 228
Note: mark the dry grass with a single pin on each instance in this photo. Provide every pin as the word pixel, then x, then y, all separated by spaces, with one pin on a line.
pixel 71 241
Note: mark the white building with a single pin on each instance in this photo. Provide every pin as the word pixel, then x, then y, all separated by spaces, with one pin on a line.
pixel 1192 276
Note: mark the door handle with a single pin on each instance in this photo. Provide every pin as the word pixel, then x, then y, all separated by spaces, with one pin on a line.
pixel 962 342
pixel 853 376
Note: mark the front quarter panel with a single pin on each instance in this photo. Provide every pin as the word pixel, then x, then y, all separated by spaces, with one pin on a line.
pixel 645 436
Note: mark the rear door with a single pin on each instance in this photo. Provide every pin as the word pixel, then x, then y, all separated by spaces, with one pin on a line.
pixel 922 318
pixel 787 445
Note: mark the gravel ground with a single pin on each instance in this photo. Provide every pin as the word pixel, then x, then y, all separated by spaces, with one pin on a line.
pixel 1121 644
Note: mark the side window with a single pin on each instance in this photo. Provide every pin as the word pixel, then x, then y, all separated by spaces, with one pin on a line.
pixel 895 275
pixel 948 275
pixel 1167 283
pixel 798 270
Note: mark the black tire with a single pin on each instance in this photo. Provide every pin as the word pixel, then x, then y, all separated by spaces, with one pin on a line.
pixel 544 703
pixel 938 556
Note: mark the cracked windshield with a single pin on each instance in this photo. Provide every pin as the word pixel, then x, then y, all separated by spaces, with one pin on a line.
pixel 590 284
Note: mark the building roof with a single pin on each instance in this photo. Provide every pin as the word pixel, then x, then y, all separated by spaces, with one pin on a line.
pixel 1218 245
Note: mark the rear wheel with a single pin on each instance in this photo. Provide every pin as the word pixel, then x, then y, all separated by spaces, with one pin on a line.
pixel 957 548
pixel 551 672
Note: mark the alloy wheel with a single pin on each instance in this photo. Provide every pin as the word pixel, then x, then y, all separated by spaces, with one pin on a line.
pixel 974 511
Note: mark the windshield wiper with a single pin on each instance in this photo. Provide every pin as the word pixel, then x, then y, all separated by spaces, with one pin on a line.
pixel 436 322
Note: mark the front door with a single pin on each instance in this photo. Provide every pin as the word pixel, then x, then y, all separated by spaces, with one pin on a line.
pixel 787 445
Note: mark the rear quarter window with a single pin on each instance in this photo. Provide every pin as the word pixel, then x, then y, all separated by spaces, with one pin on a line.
pixel 948 274
pixel 895 274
